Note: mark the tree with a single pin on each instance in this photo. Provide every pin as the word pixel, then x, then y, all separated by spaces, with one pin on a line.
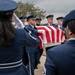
pixel 25 9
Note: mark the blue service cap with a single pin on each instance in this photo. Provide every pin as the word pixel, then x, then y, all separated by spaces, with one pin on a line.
pixel 7 6
pixel 50 16
pixel 22 17
pixel 38 19
pixel 58 18
pixel 31 17
pixel 69 17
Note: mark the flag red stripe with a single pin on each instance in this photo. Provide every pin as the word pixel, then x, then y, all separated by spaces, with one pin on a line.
pixel 47 34
pixel 41 42
pixel 52 35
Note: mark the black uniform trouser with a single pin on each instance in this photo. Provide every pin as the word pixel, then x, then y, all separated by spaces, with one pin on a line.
pixel 33 61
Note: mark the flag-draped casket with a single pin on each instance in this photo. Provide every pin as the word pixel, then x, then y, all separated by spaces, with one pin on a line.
pixel 50 36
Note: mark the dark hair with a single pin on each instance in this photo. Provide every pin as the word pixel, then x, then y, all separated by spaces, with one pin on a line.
pixel 71 25
pixel 7 30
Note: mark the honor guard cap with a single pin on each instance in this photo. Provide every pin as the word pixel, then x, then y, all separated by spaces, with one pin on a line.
pixel 7 6
pixel 22 18
pixel 69 17
pixel 59 18
pixel 38 19
pixel 31 17
pixel 50 16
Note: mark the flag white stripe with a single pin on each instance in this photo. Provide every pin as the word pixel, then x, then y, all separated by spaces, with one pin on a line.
pixel 50 33
pixel 60 33
pixel 55 33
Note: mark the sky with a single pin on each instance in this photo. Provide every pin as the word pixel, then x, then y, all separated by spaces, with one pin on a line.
pixel 55 7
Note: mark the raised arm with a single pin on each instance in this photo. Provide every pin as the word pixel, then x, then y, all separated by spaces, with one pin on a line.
pixel 31 39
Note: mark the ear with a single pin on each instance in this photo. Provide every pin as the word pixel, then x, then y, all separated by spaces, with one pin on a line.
pixel 70 33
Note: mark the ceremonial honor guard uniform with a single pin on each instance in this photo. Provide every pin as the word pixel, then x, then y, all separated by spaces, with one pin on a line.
pixel 23 19
pixel 38 23
pixel 50 23
pixel 25 56
pixel 50 20
pixel 60 22
pixel 61 59
pixel 33 52
pixel 11 55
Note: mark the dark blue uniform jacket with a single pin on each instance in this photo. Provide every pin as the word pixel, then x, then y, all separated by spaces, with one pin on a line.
pixel 61 59
pixel 34 32
pixel 11 56
pixel 51 25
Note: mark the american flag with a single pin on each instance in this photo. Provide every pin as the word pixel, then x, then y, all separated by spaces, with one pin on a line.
pixel 50 34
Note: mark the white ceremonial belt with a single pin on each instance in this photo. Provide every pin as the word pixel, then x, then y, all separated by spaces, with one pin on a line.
pixel 11 65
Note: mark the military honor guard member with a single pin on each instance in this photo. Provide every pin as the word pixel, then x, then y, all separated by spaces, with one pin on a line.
pixel 50 20
pixel 61 59
pixel 33 52
pixel 25 56
pixel 60 22
pixel 12 41
pixel 50 23
pixel 38 21
pixel 23 19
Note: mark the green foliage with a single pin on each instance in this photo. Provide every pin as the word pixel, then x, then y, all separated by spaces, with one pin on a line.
pixel 25 9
